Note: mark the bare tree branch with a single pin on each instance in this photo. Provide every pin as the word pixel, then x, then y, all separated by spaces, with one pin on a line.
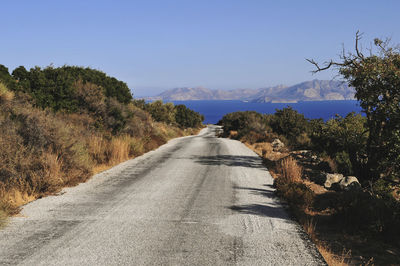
pixel 358 38
pixel 348 60
pixel 327 65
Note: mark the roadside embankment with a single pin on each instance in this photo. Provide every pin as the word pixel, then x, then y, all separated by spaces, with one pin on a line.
pixel 57 131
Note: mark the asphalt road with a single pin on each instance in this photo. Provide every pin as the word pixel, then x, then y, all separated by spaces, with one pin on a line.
pixel 197 200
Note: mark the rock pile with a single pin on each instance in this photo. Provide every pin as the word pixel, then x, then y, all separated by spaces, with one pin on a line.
pixel 317 171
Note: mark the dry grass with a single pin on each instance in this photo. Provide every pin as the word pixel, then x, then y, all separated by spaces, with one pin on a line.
pixel 52 171
pixel 16 197
pixel 309 227
pixel 5 94
pixel 265 150
pixel 332 259
pixel 118 149
pixel 96 147
pixel 289 170
pixel 100 168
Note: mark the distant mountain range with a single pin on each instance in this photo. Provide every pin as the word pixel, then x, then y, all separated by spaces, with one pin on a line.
pixel 315 90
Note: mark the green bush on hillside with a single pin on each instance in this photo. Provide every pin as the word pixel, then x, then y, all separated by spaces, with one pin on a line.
pixel 186 117
pixel 342 138
pixel 55 88
pixel 244 123
pixel 178 115
pixel 291 124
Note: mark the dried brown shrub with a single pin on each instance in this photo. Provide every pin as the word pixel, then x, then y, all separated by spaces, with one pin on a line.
pixel 118 149
pixel 5 94
pixel 289 170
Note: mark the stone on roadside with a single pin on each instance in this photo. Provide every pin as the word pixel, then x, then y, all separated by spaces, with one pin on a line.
pixel 331 179
pixel 277 144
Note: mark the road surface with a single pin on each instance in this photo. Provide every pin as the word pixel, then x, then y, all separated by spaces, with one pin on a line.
pixel 198 200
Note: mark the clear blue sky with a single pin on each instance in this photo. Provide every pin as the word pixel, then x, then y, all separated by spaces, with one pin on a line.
pixel 219 44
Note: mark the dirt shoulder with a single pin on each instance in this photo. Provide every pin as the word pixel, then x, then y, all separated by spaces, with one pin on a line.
pixel 318 210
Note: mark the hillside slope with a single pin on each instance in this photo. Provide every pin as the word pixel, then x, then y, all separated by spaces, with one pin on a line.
pixel 58 126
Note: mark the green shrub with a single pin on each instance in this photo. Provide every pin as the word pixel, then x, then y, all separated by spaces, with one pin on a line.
pixel 345 139
pixel 244 123
pixel 56 87
pixel 6 78
pixel 186 117
pixel 291 124
pixel 162 112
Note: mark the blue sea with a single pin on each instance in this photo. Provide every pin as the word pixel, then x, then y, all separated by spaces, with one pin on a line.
pixel 213 111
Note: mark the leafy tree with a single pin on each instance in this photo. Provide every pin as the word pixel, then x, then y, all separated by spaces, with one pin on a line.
pixel 21 75
pixel 56 87
pixel 6 78
pixel 289 123
pixel 111 86
pixel 242 122
pixel 162 112
pixel 343 138
pixel 52 88
pixel 376 79
pixel 186 117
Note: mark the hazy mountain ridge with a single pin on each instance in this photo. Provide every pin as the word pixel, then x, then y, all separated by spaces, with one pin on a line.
pixel 314 90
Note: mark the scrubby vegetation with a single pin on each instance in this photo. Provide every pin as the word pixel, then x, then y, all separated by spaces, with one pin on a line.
pixel 58 126
pixel 366 146
pixel 178 115
pixel 373 212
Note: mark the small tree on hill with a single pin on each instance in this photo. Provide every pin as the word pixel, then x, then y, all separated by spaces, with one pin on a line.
pixel 289 123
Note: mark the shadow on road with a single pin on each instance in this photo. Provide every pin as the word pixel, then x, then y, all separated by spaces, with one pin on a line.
pixel 231 160
pixel 273 209
pixel 258 191
pixel 262 210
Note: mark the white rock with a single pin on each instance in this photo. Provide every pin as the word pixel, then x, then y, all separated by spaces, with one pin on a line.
pixel 332 179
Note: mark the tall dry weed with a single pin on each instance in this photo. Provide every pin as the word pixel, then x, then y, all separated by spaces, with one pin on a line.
pixel 118 150
pixel 309 227
pixel 97 147
pixel 290 171
pixel 5 94
pixel 334 260
pixel 52 169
